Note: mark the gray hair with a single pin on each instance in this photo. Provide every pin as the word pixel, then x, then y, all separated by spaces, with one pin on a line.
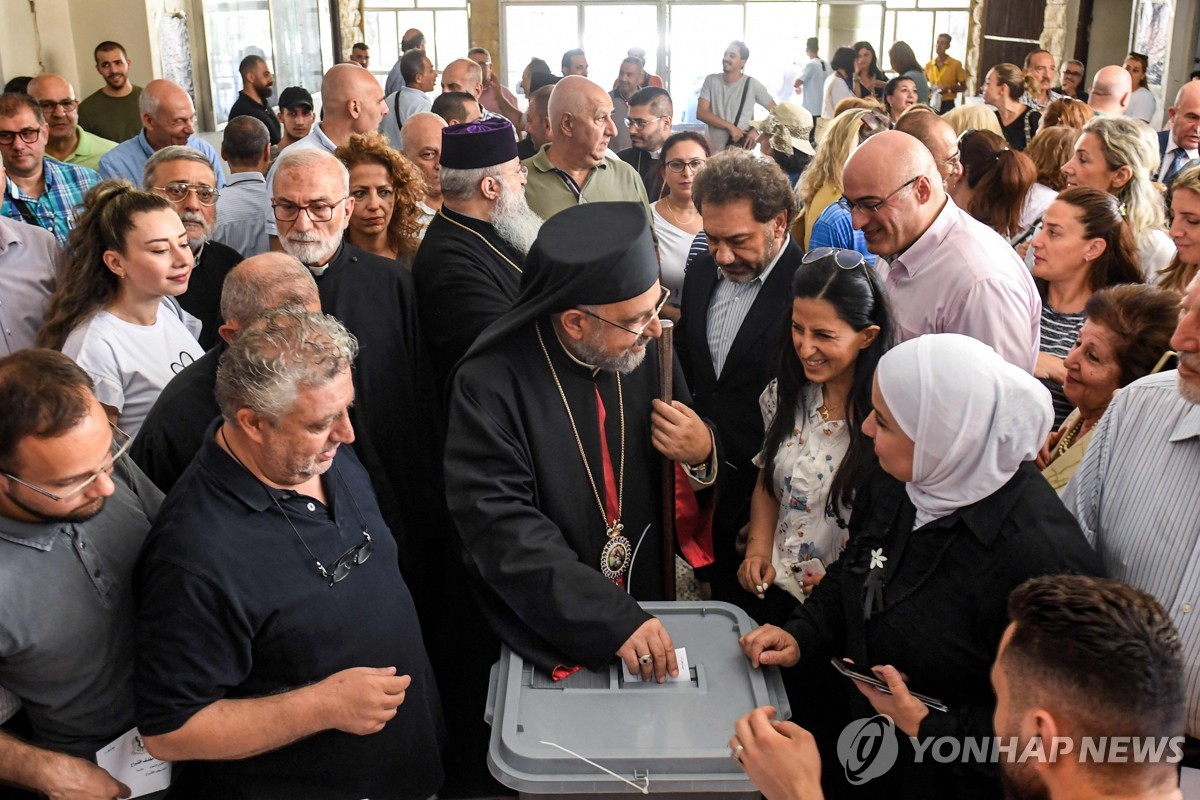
pixel 170 153
pixel 312 158
pixel 735 175
pixel 148 103
pixel 263 282
pixel 463 184
pixel 280 353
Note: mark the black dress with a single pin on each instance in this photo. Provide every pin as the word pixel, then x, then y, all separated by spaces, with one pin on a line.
pixel 943 610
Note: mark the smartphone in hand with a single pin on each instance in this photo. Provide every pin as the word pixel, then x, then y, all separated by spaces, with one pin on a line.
pixel 855 674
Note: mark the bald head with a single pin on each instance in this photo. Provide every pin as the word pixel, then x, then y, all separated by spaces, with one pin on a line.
pixel 582 124
pixel 939 139
pixel 168 116
pixel 262 283
pixel 463 75
pixel 423 146
pixel 352 102
pixel 1111 88
pixel 896 173
pixel 1185 116
pixel 62 122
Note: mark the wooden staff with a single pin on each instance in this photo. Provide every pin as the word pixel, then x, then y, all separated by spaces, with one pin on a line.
pixel 666 365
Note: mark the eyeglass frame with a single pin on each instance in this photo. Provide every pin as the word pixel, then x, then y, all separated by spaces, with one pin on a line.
pixel 640 124
pixel 190 188
pixel 686 165
pixel 75 491
pixel 49 106
pixel 522 173
pixel 662 302
pixel 355 556
pixel 818 253
pixel 873 208
pixel 23 134
pixel 276 205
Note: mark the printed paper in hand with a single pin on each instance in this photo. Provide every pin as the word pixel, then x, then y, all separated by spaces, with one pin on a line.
pixel 126 760
pixel 680 657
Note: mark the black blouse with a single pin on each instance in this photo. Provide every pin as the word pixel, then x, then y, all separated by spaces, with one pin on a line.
pixel 944 608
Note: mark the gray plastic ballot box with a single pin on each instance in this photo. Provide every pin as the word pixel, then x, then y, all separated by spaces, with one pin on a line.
pixel 670 740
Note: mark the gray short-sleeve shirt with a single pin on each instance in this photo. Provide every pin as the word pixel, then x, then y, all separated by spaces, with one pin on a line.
pixel 724 98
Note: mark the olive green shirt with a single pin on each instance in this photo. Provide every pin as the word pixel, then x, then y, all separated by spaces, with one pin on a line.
pixel 114 118
pixel 547 191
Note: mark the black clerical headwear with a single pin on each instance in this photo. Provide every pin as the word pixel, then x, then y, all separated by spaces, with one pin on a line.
pixel 482 143
pixel 588 254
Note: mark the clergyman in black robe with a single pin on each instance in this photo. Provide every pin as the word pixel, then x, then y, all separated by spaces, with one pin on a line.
pixel 534 516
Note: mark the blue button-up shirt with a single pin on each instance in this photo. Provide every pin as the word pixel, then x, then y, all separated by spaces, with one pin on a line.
pixel 127 159
pixel 55 209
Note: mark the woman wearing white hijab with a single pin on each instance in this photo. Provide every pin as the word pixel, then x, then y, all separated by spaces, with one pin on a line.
pixel 956 517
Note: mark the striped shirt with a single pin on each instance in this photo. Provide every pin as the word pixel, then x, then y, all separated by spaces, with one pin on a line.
pixel 55 209
pixel 1059 332
pixel 1135 498
pixel 728 307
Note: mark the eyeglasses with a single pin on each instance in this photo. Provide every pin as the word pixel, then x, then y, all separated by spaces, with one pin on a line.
pixel 662 301
pixel 695 165
pixel 952 160
pixel 28 136
pixel 317 212
pixel 119 447
pixel 845 259
pixel 177 192
pixel 1073 73
pixel 48 106
pixel 521 171
pixel 638 124
pixel 871 208
pixel 346 561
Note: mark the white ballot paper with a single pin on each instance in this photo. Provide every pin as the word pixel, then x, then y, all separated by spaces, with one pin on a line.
pixel 126 759
pixel 680 657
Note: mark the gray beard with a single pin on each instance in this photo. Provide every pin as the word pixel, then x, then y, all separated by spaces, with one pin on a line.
pixel 198 241
pixel 515 222
pixel 623 364
pixel 313 252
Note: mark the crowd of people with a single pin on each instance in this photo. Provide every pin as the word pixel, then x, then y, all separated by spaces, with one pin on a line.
pixel 936 370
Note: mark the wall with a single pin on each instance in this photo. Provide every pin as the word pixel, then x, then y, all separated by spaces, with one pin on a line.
pixel 1110 34
pixel 30 38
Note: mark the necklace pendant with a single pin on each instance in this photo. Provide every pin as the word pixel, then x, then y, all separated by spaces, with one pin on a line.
pixel 614 558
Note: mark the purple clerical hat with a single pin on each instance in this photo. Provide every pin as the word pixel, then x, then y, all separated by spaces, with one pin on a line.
pixel 483 143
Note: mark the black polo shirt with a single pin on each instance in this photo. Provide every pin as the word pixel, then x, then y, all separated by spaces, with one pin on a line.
pixel 231 605
pixel 245 106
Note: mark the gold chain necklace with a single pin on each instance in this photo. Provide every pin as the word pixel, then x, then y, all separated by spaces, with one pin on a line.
pixel 614 558
pixel 678 222
pixel 1068 438
pixel 481 238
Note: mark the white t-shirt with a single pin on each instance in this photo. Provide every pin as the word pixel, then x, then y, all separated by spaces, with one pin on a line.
pixel 723 100
pixel 674 244
pixel 815 73
pixel 1142 104
pixel 836 91
pixel 131 364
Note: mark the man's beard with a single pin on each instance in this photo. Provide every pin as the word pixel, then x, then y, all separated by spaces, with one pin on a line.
pixel 264 92
pixel 1022 782
pixel 513 219
pixel 769 253
pixel 80 514
pixel 309 248
pixel 196 241
pixel 1189 390
pixel 592 352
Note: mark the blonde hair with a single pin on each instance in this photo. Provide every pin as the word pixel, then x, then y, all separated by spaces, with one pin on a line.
pixel 975 116
pixel 1015 80
pixel 825 169
pixel 1125 145
pixel 1177 275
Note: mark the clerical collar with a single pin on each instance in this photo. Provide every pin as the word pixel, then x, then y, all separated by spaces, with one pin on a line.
pixel 592 368
pixel 319 271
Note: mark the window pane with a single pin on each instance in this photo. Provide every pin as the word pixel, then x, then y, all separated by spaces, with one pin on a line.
pixel 698 37
pixel 638 26
pixel 777 34
pixel 384 41
pixel 916 29
pixel 298 28
pixel 234 29
pixel 450 35
pixel 955 24
pixel 542 31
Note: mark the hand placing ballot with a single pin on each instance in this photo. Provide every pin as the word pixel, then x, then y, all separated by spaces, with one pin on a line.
pixel 126 759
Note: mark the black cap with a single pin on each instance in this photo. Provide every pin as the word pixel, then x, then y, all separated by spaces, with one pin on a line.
pixel 588 254
pixel 482 143
pixel 294 96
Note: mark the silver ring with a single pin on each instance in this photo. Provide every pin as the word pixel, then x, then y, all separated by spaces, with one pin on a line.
pixel 736 754
pixel 646 659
